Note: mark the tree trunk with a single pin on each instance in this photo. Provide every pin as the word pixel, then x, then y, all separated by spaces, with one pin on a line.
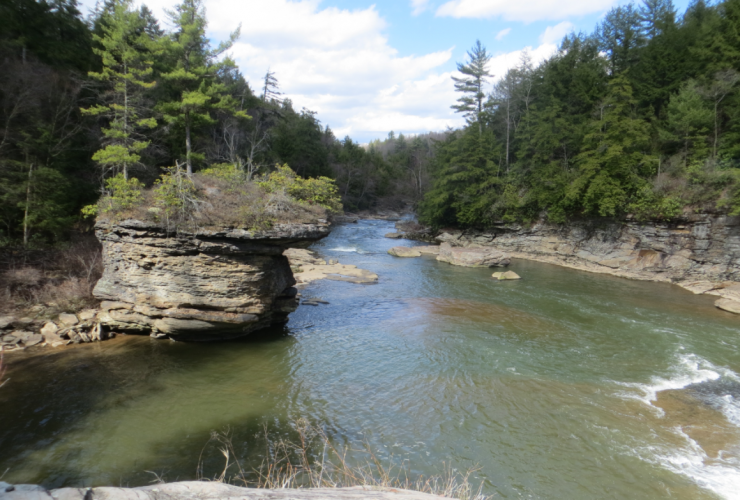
pixel 187 144
pixel 26 227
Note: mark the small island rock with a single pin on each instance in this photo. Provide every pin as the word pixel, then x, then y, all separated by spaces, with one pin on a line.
pixel 508 275
pixel 394 236
pixel 404 252
pixel 728 305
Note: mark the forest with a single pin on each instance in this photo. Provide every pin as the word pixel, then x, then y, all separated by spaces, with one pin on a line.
pixel 640 119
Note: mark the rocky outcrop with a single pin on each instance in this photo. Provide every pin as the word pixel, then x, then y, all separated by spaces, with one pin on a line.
pixel 202 490
pixel 404 252
pixel 700 252
pixel 307 267
pixel 472 256
pixel 427 249
pixel 65 329
pixel 203 285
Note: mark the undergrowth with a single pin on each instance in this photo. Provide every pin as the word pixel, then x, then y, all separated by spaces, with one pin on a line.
pixel 219 196
pixel 311 460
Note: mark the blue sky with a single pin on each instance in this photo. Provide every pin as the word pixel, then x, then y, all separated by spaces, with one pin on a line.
pixel 368 67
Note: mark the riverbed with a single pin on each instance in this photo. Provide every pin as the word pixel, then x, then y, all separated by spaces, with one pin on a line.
pixel 565 384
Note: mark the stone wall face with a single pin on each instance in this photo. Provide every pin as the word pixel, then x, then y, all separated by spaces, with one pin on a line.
pixel 197 286
pixel 700 249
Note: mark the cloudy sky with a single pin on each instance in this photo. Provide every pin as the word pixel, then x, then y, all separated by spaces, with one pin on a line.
pixel 369 67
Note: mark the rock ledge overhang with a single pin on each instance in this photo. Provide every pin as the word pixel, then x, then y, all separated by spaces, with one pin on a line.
pixel 211 283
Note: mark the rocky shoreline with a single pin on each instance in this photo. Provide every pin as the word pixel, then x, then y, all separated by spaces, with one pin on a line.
pixel 700 252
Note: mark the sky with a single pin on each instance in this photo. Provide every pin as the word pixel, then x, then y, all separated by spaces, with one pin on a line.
pixel 369 67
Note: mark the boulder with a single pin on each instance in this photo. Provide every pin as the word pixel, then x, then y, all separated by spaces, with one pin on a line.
pixel 68 319
pixel 209 284
pixel 508 275
pixel 472 257
pixel 728 305
pixel 394 236
pixel 404 252
pixel 33 339
pixel 427 250
pixel 6 322
pixel 49 328
pixel 87 314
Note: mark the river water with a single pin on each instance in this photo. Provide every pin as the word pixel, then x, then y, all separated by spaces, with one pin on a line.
pixel 562 385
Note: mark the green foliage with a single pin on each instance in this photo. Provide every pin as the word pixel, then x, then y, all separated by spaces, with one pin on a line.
pixel 320 191
pixel 123 194
pixel 175 196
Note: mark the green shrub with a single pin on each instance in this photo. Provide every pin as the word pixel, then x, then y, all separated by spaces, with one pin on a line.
pixel 320 191
pixel 122 195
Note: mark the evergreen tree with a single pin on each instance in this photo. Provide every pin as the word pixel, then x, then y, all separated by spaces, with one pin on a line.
pixel 471 84
pixel 614 156
pixel 194 75
pixel 126 51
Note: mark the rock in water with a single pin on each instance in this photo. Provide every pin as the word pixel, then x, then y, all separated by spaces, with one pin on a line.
pixel 204 285
pixel 404 252
pixel 394 236
pixel 728 305
pixel 508 275
pixel 428 249
pixel 472 257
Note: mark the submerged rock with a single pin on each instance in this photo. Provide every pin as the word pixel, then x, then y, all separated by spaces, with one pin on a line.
pixel 472 257
pixel 508 275
pixel 204 285
pixel 404 252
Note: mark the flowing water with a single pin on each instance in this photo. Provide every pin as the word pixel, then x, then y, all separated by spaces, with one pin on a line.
pixel 562 385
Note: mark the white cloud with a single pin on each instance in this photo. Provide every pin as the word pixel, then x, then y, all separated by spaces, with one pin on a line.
pixel 337 62
pixel 554 34
pixel 527 11
pixel 419 6
pixel 501 34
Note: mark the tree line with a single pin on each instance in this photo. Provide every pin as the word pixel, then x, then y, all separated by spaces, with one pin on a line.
pixel 115 97
pixel 640 118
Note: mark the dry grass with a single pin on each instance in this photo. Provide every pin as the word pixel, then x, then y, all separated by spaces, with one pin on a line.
pixel 313 461
pixel 52 281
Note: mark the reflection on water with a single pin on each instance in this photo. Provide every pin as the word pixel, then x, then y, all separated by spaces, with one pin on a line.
pixel 562 385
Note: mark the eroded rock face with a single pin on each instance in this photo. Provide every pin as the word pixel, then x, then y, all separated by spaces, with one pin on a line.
pixel 205 285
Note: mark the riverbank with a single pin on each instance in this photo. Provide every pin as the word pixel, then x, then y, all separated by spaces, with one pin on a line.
pixel 700 253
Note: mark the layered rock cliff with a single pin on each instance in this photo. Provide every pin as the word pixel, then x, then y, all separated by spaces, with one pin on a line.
pixel 700 252
pixel 202 285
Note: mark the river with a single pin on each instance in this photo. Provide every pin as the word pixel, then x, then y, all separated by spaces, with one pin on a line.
pixel 562 385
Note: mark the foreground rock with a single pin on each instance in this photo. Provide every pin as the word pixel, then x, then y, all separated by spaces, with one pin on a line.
pixel 404 252
pixel 205 285
pixel 472 256
pixel 728 305
pixel 197 490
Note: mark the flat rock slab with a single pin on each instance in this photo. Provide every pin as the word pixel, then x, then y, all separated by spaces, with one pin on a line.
pixel 508 275
pixel 728 305
pixel 427 250
pixel 404 252
pixel 394 236
pixel 335 272
pixel 472 257
pixel 197 490
pixel 6 321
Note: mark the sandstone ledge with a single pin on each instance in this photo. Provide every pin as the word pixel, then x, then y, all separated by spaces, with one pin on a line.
pixel 198 490
pixel 207 284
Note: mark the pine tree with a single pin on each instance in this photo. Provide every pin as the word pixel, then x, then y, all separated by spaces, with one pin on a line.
pixel 195 75
pixel 471 85
pixel 125 50
pixel 614 155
